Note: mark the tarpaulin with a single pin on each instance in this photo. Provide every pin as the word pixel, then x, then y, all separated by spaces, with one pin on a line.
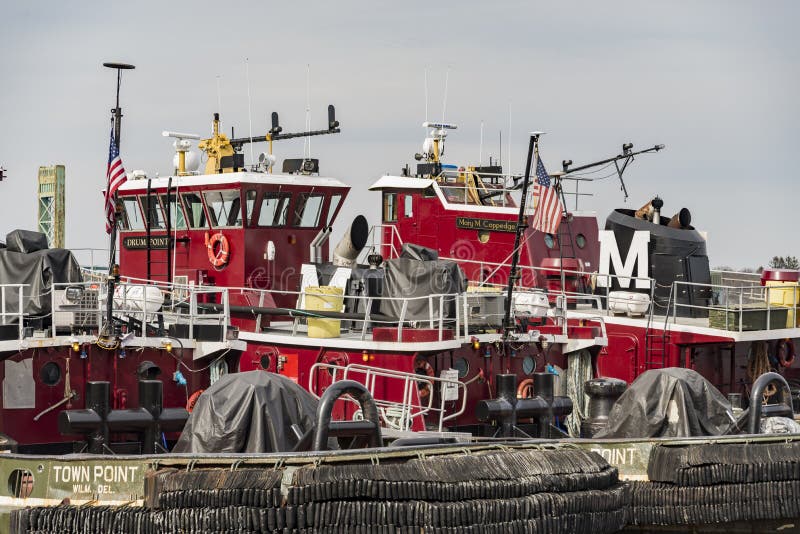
pixel 25 241
pixel 38 271
pixel 248 412
pixel 671 402
pixel 413 279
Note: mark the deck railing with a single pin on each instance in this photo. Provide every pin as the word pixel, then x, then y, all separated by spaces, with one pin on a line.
pixel 729 304
pixel 398 414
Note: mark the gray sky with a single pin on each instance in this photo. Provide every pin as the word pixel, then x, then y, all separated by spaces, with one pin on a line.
pixel 717 82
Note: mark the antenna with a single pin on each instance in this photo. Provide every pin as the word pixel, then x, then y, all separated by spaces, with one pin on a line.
pixel 426 94
pixel 509 139
pixel 444 103
pixel 249 109
pixel 219 96
pixel 308 111
pixel 480 150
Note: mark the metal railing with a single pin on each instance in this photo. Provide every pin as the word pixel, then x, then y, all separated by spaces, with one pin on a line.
pixel 8 316
pixel 375 243
pixel 398 415
pixel 734 302
pixel 91 259
pixel 742 295
pixel 81 308
pixel 435 319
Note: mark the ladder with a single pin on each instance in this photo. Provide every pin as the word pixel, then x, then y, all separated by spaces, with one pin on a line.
pixel 655 342
pixel 565 240
pixel 151 210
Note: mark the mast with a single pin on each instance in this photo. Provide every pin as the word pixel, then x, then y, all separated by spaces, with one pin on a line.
pixel 533 148
pixel 113 269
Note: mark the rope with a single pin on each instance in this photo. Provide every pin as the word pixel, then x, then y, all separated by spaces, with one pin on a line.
pixel 579 370
pixel 758 364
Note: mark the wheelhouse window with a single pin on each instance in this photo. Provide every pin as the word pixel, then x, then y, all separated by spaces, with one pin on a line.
pixel 335 201
pixel 389 207
pixel 224 208
pixel 250 205
pixel 132 218
pixel 193 205
pixel 153 213
pixel 176 218
pixel 308 209
pixel 274 208
pixel 408 206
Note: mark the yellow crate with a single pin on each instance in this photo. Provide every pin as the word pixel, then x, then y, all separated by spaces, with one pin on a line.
pixel 324 298
pixel 785 294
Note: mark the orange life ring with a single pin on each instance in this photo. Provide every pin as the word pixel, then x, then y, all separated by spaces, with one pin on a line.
pixel 422 367
pixel 218 259
pixel 193 400
pixel 785 352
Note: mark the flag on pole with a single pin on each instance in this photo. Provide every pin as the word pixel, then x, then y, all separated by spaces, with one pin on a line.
pixel 547 216
pixel 116 177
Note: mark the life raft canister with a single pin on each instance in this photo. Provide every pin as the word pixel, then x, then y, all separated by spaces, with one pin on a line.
pixel 217 258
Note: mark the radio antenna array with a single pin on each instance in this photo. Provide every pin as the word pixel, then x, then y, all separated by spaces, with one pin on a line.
pixel 620 162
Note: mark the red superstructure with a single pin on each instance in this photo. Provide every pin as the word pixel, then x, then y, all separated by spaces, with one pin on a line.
pixel 467 214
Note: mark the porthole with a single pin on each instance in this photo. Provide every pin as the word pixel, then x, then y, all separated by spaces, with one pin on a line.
pixel 483 236
pixel 20 483
pixel 265 362
pixel 549 240
pixel 50 373
pixel 528 365
pixel 580 240
pixel 462 366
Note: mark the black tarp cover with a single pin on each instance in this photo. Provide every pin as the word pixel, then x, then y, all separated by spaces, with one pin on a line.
pixel 248 412
pixel 671 402
pixel 409 278
pixel 418 252
pixel 39 270
pixel 25 241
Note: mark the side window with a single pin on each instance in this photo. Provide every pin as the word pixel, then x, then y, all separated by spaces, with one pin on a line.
pixel 250 205
pixel 408 206
pixel 176 220
pixel 307 210
pixel 153 213
pixel 131 215
pixel 389 207
pixel 274 207
pixel 224 208
pixel 335 200
pixel 194 210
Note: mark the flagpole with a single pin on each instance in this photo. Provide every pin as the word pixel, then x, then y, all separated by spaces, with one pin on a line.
pixel 113 270
pixel 513 275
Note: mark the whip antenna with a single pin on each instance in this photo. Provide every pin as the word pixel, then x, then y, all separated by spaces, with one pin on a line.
pixel 249 109
pixel 480 150
pixel 426 94
pixel 444 103
pixel 307 147
pixel 219 96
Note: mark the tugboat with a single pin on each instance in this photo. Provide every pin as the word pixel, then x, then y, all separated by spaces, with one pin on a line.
pixel 464 384
pixel 646 274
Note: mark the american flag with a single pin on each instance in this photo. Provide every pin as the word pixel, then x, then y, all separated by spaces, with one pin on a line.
pixel 116 177
pixel 548 212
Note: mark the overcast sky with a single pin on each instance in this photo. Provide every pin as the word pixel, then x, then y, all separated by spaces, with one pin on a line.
pixel 717 82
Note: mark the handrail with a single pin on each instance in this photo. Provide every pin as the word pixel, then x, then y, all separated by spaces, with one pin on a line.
pixel 375 232
pixel 407 408
pixel 19 315
pixel 733 299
